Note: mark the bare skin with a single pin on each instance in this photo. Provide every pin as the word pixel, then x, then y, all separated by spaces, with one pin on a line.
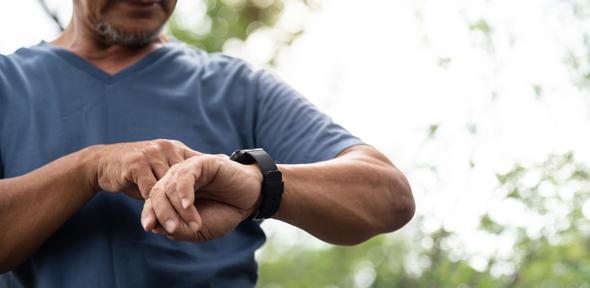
pixel 345 201
pixel 33 206
pixel 81 37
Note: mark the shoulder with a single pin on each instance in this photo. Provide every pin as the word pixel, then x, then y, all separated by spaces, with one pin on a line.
pixel 23 68
pixel 3 59
pixel 212 65
pixel 26 56
pixel 25 61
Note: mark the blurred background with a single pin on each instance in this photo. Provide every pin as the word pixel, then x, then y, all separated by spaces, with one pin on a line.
pixel 484 104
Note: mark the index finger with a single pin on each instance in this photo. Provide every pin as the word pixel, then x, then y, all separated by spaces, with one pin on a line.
pixel 144 178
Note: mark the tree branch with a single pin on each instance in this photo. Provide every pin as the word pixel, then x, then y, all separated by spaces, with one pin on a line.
pixel 51 14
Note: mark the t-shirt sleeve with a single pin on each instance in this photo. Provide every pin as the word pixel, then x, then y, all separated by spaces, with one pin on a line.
pixel 291 129
pixel 2 59
pixel 1 168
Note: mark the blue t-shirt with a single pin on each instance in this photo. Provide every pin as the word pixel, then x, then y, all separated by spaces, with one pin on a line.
pixel 53 103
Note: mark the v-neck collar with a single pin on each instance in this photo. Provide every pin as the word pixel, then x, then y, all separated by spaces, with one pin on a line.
pixel 96 72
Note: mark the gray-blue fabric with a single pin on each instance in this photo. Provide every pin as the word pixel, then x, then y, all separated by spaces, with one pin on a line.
pixel 53 103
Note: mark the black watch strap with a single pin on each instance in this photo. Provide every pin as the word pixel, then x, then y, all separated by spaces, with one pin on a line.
pixel 272 180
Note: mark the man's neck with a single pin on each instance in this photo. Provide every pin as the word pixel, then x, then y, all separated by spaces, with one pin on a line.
pixel 111 58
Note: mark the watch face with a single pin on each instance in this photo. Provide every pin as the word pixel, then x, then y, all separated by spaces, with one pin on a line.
pixel 235 155
pixel 241 156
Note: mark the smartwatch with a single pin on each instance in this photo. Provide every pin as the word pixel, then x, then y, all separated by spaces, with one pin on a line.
pixel 272 180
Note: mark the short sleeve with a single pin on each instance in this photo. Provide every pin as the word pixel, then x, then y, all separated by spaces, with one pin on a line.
pixel 2 59
pixel 1 168
pixel 291 129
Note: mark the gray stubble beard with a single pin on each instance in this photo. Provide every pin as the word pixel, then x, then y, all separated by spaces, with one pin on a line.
pixel 114 35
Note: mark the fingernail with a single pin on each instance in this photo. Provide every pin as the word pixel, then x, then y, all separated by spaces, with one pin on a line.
pixel 170 225
pixel 143 222
pixel 194 226
pixel 185 203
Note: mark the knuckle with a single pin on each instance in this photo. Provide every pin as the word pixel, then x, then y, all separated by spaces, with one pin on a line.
pixel 164 144
pixel 177 167
pixel 184 170
pixel 167 144
pixel 177 143
pixel 158 141
pixel 151 150
pixel 134 158
pixel 170 189
pixel 156 192
pixel 172 172
pixel 207 158
pixel 222 156
pixel 158 164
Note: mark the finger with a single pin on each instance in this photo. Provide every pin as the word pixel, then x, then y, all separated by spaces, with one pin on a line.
pixel 188 152
pixel 143 176
pixel 174 156
pixel 182 233
pixel 167 149
pixel 159 167
pixel 159 230
pixel 148 216
pixel 185 183
pixel 188 213
pixel 164 211
pixel 184 236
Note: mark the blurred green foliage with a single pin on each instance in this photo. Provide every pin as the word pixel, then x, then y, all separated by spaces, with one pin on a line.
pixel 555 192
pixel 223 20
pixel 226 19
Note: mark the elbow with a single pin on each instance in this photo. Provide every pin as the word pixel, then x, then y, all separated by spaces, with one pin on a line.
pixel 394 213
pixel 404 206
pixel 401 206
pixel 399 210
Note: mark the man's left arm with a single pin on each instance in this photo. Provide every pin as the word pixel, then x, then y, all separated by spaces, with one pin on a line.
pixel 345 200
pixel 348 199
pixel 346 193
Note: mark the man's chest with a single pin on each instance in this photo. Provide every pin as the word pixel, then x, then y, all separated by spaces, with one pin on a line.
pixel 43 125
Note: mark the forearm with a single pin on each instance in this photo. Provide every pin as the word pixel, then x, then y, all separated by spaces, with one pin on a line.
pixel 348 199
pixel 33 206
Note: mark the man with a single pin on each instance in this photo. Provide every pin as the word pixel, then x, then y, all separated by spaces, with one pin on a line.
pixel 84 117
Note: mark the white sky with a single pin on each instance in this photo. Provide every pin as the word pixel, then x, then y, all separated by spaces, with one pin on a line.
pixel 373 66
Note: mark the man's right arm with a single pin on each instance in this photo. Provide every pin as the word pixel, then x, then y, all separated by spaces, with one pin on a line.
pixel 35 205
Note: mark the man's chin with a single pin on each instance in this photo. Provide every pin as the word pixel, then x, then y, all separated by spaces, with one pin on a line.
pixel 132 39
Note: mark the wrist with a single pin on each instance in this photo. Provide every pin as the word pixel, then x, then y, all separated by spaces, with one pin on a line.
pixel 256 176
pixel 88 159
pixel 271 186
pixel 282 212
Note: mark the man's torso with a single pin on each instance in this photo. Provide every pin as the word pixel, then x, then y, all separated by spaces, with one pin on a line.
pixel 54 103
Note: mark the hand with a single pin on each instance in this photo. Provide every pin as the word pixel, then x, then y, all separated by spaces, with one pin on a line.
pixel 226 193
pixel 135 167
